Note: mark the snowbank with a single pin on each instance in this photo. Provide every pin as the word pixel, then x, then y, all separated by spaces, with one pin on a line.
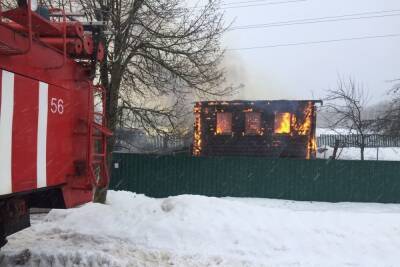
pixel 135 230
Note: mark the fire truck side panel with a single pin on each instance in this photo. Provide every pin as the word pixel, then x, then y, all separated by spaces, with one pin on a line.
pixel 24 134
pixel 59 136
pixel 48 136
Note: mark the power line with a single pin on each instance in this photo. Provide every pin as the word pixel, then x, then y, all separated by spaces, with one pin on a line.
pixel 320 20
pixel 243 2
pixel 227 5
pixel 265 4
pixel 313 22
pixel 316 42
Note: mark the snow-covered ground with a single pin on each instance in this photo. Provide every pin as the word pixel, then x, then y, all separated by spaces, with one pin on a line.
pixel 353 153
pixel 187 230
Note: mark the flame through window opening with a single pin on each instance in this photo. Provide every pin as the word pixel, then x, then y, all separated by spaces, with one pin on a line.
pixel 288 123
pixel 224 123
pixel 304 127
pixel 253 123
pixel 283 122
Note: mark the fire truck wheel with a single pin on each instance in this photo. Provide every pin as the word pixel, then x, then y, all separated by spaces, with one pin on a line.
pixel 3 239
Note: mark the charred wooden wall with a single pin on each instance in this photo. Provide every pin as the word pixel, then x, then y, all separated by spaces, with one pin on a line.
pixel 296 144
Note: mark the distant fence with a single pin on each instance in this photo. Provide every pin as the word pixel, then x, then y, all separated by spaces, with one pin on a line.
pixel 309 180
pixel 142 143
pixel 353 140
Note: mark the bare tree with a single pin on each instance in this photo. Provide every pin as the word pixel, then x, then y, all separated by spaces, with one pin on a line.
pixel 346 106
pixel 388 121
pixel 158 50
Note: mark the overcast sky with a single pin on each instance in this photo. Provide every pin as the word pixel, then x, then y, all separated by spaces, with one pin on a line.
pixel 305 71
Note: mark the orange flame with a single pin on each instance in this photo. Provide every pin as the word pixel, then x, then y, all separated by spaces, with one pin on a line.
pixel 224 123
pixel 311 148
pixel 282 123
pixel 304 127
pixel 197 132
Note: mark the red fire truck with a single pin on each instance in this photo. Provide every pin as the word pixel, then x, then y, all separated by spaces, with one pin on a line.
pixel 52 121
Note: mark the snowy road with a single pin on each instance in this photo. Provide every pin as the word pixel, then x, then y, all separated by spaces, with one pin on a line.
pixel 134 230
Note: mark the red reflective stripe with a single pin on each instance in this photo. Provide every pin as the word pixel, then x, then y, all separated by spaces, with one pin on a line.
pixel 25 124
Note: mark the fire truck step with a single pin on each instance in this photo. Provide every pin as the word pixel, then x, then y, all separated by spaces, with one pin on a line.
pixel 102 129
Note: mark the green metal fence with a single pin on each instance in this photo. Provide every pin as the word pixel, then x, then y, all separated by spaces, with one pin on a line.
pixel 309 180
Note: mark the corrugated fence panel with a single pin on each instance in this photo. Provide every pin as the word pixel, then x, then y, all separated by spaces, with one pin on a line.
pixel 309 180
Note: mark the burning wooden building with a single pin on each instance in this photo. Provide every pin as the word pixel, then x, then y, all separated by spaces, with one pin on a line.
pixel 276 128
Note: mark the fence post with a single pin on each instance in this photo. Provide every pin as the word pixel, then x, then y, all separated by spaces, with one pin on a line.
pixel 377 153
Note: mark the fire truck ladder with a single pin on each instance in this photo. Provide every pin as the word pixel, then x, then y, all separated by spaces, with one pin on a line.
pixel 98 133
pixel 22 16
pixel 26 18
